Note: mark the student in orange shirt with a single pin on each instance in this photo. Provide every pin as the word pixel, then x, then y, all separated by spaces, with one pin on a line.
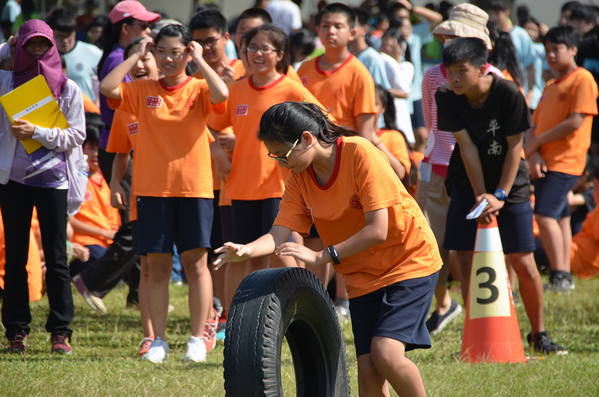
pixel 584 254
pixel 557 146
pixel 172 179
pixel 122 140
pixel 249 19
pixel 376 236
pixel 96 223
pixel 209 29
pixel 256 184
pixel 393 138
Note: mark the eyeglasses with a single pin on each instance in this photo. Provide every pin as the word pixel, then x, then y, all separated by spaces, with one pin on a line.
pixel 264 50
pixel 285 157
pixel 210 43
pixel 142 25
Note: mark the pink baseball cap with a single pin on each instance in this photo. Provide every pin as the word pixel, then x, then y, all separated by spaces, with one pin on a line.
pixel 132 9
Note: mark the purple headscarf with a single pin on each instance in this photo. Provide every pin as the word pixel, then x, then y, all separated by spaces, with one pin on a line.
pixel 26 66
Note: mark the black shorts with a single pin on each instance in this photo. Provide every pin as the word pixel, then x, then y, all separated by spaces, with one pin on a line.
pixel 397 311
pixel 253 219
pixel 514 221
pixel 551 194
pixel 164 221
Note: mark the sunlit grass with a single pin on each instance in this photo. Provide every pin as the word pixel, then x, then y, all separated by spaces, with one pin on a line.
pixel 104 360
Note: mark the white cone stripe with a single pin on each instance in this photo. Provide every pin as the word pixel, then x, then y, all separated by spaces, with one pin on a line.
pixel 488 240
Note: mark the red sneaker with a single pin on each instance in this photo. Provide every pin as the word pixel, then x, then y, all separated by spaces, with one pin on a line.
pixel 210 332
pixel 60 343
pixel 18 343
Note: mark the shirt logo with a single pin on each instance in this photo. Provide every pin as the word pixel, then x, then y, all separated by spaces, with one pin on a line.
pixel 339 94
pixel 133 128
pixel 493 126
pixel 304 80
pixel 153 102
pixel 88 196
pixel 562 97
pixel 354 202
pixel 241 110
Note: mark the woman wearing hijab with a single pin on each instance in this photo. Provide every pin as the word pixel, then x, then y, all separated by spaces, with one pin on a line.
pixel 47 178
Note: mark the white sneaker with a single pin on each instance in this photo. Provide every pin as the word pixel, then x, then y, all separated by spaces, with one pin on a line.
pixel 158 351
pixel 196 350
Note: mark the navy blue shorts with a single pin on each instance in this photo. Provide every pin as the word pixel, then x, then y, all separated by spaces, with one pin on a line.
pixel 551 194
pixel 216 235
pixel 418 116
pixel 253 219
pixel 397 311
pixel 164 221
pixel 514 221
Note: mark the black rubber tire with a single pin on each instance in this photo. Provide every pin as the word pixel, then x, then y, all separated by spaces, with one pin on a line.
pixel 268 306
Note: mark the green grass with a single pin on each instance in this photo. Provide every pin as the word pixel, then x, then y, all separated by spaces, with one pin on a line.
pixel 104 360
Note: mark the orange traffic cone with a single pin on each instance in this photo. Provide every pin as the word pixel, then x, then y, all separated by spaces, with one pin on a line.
pixel 491 331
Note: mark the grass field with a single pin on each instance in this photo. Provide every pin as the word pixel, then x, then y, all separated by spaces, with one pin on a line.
pixel 104 360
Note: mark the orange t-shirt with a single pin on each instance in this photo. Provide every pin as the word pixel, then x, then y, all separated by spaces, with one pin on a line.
pixel 584 254
pixel 172 157
pixel 574 93
pixel 97 211
pixel 253 175
pixel 362 181
pixel 346 92
pixel 237 66
pixel 34 263
pixel 89 106
pixel 396 144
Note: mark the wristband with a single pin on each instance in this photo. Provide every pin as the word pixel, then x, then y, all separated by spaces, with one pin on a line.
pixel 333 254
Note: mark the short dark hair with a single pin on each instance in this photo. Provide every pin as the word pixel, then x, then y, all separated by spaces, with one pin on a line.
pixel 181 32
pixel 303 40
pixel 495 5
pixel 468 49
pixel 93 127
pixel 338 8
pixel 362 15
pixel 585 12
pixel 61 19
pixel 563 35
pixel 568 6
pixel 209 19
pixel 255 13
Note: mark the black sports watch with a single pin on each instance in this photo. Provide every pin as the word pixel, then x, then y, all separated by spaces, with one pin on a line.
pixel 500 194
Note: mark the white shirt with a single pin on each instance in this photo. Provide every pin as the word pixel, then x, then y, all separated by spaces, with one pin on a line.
pixel 285 14
pixel 400 77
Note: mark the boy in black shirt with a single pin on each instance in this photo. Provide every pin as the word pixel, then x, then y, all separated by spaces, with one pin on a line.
pixel 487 116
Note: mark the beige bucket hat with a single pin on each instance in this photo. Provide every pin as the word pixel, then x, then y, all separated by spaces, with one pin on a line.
pixel 466 20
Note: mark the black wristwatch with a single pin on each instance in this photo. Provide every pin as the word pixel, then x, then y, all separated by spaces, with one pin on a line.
pixel 500 194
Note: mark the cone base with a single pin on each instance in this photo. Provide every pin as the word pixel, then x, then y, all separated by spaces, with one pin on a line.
pixel 492 340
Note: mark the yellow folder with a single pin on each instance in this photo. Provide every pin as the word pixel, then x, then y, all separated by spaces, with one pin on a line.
pixel 34 102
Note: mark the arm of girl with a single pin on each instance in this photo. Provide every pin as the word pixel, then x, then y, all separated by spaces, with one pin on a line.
pixel 118 197
pixel 263 246
pixel 218 88
pixel 373 233
pixel 58 139
pixel 222 162
pixel 110 85
pixel 89 230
